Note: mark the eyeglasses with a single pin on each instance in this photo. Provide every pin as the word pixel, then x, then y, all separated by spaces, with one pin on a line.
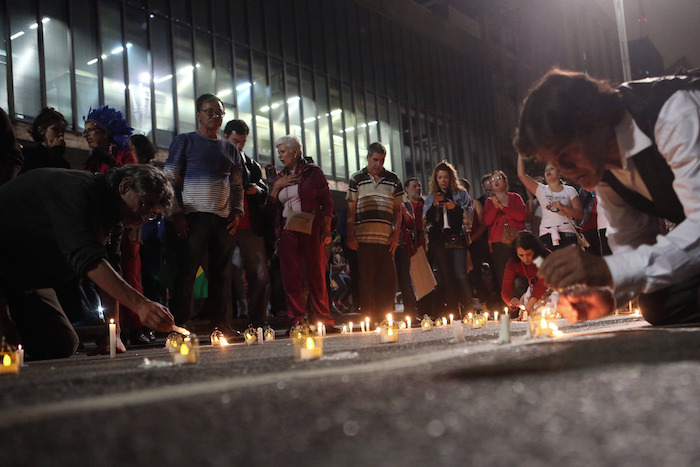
pixel 213 113
pixel 151 216
pixel 499 177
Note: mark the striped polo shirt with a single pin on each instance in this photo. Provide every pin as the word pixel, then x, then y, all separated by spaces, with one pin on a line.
pixel 374 219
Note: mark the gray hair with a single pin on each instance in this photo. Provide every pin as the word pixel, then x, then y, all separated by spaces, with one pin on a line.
pixel 146 179
pixel 290 142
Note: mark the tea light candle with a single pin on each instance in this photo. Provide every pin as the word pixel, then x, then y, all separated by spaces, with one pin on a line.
pixel 269 334
pixel 112 339
pixel 250 335
pixel 9 362
pixel 426 324
pixel 188 351
pixel 388 334
pixel 309 350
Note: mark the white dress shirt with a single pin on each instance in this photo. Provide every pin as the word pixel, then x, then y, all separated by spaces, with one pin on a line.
pixel 644 260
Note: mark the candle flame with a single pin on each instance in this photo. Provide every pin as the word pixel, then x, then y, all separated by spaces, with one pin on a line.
pixel 543 323
pixel 390 332
pixel 184 349
pixel 6 360
pixel 111 321
pixel 310 344
pixel 223 341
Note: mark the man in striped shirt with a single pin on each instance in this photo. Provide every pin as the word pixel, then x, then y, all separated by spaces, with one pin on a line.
pixel 374 200
pixel 206 171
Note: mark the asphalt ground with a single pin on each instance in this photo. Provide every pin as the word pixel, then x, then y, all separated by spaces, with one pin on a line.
pixel 611 392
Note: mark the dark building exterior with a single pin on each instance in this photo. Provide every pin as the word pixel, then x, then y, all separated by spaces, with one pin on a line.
pixel 433 81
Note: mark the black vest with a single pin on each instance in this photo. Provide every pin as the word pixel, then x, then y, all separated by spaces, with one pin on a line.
pixel 643 100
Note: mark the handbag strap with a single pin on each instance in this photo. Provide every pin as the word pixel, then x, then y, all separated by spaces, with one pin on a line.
pixel 505 219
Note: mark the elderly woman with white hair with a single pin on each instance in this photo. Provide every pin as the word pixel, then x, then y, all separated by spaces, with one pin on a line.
pixel 304 210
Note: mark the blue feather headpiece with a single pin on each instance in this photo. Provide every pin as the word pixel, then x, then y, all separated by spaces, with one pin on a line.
pixel 113 122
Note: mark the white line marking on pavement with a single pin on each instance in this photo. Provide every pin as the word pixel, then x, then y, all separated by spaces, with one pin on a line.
pixel 26 415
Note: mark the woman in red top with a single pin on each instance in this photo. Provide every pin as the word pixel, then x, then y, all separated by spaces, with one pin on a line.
pixel 520 281
pixel 501 207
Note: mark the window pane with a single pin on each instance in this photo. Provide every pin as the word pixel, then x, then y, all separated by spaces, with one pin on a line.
pixel 86 58
pixel 239 15
pixel 324 135
pixel 337 127
pixel 302 22
pixel 287 28
pixel 3 61
pixel 222 26
pixel 186 104
pixel 256 22
pixel 25 59
pixel 57 57
pixel 395 139
pixel 204 67
pixel 272 27
pixel 349 130
pixel 329 38
pixel 277 100
pixel 224 76
pixel 293 101
pixel 361 125
pixel 112 56
pixel 139 72
pixel 371 118
pixel 318 49
pixel 243 90
pixel 310 114
pixel 392 157
pixel 262 108
pixel 163 81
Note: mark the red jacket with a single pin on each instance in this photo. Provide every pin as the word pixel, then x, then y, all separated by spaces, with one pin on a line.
pixel 515 212
pixel 526 271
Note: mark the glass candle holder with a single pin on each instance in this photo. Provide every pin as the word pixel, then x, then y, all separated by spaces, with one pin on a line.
pixel 250 335
pixel 188 353
pixel 308 345
pixel 541 322
pixel 173 341
pixel 269 333
pixel 426 323
pixel 388 332
pixel 217 338
pixel 9 359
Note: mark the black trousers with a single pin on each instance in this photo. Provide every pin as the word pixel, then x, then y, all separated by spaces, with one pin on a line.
pixel 44 330
pixel 677 304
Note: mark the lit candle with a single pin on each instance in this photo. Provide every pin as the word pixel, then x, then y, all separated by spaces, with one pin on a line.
pixel 495 316
pixel 20 355
pixel 362 326
pixel 367 325
pixel 250 335
pixel 637 312
pixel 112 339
pixel 188 351
pixel 444 321
pixel 389 319
pixel 308 350
pixel 426 324
pixel 504 336
pixel 388 334
pixel 350 327
pixel 319 329
pixel 486 315
pixel 345 329
pixel 452 318
pixel 402 326
pixel 269 334
pixel 408 322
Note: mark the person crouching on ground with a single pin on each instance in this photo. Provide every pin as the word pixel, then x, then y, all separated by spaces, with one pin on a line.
pixel 54 224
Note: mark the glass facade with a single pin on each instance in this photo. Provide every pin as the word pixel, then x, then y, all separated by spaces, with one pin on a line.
pixel 333 72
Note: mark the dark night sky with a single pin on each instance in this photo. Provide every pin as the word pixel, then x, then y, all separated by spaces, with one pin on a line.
pixel 672 25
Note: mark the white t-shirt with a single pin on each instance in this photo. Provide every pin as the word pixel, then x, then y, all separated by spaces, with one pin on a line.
pixel 550 219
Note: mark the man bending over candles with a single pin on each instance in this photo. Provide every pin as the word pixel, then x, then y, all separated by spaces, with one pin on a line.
pixel 638 147
pixel 54 225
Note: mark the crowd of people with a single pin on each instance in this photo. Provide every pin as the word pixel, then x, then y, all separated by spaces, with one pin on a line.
pixel 136 240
